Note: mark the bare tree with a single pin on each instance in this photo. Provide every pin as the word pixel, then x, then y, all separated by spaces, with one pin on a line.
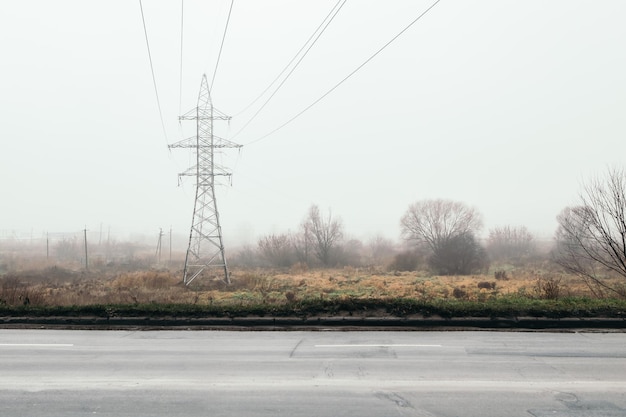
pixel 434 222
pixel 381 250
pixel 510 243
pixel 323 234
pixel 591 237
pixel 300 243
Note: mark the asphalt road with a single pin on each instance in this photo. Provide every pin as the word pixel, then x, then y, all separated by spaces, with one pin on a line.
pixel 201 373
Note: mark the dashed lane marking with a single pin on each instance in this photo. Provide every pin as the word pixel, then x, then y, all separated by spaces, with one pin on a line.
pixel 37 345
pixel 374 345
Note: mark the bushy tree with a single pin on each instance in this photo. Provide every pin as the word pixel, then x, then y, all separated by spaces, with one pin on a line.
pixel 461 254
pixel 436 221
pixel 448 229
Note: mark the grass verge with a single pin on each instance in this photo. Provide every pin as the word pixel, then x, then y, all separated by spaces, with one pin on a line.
pixel 508 306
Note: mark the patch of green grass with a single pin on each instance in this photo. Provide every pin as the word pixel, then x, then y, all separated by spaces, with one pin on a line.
pixel 506 306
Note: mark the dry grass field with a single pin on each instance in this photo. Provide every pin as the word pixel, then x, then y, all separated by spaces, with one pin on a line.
pixel 59 286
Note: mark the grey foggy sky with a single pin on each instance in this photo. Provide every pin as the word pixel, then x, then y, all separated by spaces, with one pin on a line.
pixel 504 105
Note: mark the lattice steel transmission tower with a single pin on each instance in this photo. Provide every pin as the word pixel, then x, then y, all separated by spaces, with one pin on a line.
pixel 206 248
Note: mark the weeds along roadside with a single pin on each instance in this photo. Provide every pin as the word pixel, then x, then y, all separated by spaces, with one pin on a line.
pixel 264 292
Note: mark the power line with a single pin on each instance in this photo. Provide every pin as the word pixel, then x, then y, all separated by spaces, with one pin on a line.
pixel 180 81
pixel 222 44
pixel 347 76
pixel 291 61
pixel 327 21
pixel 156 91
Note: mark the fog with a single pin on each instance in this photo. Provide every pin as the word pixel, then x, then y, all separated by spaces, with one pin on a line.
pixel 507 106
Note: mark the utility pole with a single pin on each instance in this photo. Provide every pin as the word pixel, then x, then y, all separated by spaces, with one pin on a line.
pixel 86 258
pixel 206 247
pixel 158 249
pixel 170 261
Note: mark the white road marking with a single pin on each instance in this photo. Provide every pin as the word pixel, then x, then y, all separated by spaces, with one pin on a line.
pixel 376 345
pixel 44 345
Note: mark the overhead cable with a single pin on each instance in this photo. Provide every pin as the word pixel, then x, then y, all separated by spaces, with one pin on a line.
pixel 222 44
pixel 327 21
pixel 156 91
pixel 292 59
pixel 346 77
pixel 182 32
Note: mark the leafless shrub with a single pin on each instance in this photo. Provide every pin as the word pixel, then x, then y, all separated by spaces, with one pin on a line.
pixel 291 296
pixel 500 275
pixel 246 257
pixel 14 291
pixel 277 250
pixel 298 268
pixel 404 261
pixel 10 290
pixel 145 279
pixel 350 253
pixel 459 293
pixel 487 285
pixel 548 288
pixel 265 284
pixel 245 281
pixel 68 249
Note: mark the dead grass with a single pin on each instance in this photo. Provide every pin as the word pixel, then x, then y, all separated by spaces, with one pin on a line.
pixel 55 286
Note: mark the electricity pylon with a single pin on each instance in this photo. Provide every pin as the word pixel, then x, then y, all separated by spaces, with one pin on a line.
pixel 206 248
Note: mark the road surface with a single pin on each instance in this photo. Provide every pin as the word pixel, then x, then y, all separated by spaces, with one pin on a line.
pixel 205 373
